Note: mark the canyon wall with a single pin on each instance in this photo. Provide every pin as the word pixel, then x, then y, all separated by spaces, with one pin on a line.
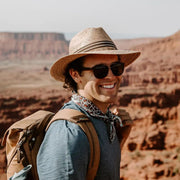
pixel 159 62
pixel 30 46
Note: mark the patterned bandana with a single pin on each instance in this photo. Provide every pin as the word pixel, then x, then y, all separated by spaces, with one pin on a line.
pixel 109 118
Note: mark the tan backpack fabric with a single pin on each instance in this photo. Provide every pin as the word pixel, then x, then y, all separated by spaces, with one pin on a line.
pixel 24 138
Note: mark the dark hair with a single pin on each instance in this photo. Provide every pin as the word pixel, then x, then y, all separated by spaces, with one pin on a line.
pixel 69 82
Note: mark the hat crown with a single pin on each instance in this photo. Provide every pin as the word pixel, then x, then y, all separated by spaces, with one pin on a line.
pixel 91 39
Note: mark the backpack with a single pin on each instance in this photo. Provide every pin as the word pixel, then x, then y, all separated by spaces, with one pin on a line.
pixel 23 140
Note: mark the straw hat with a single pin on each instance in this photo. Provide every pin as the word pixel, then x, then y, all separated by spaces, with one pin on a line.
pixel 90 41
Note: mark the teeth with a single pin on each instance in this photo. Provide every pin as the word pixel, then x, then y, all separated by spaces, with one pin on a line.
pixel 108 86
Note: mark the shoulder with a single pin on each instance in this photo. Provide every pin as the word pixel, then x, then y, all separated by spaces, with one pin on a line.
pixel 62 137
pixel 64 150
pixel 65 136
pixel 65 130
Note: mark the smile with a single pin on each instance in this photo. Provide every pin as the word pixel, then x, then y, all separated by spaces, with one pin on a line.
pixel 109 86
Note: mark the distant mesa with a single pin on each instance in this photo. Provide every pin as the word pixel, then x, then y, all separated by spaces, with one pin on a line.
pixel 32 36
pixel 31 46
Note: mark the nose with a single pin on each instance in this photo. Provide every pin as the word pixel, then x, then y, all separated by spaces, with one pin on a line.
pixel 110 74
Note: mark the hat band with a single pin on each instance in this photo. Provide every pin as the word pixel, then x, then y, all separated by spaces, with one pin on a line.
pixel 96 45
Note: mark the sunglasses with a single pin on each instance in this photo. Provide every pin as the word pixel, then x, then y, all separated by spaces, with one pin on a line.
pixel 101 70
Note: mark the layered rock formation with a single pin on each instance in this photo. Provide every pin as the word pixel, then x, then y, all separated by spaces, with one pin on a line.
pixel 159 62
pixel 29 46
pixel 152 149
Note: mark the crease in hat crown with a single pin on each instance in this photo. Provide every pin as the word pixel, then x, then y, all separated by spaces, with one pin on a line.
pixel 91 39
pixel 86 42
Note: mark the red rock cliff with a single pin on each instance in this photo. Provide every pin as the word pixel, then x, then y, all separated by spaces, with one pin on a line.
pixel 32 45
pixel 159 62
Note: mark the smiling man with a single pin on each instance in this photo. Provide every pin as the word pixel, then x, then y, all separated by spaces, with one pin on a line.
pixel 100 79
pixel 93 71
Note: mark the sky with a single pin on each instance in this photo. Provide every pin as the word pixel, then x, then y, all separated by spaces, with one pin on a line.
pixel 133 18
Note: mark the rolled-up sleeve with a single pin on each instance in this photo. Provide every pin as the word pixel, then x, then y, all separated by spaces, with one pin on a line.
pixel 64 153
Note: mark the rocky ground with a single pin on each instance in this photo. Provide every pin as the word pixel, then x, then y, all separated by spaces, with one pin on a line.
pixel 152 150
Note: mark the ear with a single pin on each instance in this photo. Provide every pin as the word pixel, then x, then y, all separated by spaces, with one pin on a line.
pixel 75 75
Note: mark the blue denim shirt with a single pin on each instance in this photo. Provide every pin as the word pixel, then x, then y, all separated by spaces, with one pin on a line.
pixel 64 153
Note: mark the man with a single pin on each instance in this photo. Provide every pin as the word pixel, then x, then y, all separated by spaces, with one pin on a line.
pixel 93 70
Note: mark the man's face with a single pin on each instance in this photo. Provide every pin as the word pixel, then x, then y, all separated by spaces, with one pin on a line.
pixel 99 91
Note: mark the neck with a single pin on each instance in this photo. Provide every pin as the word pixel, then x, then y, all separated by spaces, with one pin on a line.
pixel 103 106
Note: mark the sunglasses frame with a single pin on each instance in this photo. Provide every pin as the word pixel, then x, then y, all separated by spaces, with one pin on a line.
pixel 106 69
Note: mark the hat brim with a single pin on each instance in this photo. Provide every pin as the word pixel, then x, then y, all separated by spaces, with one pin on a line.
pixel 58 68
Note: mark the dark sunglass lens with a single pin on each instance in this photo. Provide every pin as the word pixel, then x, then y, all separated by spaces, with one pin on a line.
pixel 117 68
pixel 100 71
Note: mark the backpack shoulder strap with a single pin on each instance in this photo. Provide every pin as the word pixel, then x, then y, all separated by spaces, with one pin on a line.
pixel 71 115
pixel 86 125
